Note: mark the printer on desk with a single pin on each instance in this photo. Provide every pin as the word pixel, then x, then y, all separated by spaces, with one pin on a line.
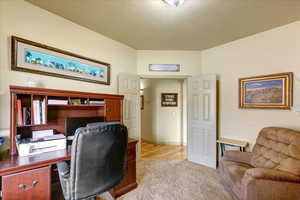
pixel 41 142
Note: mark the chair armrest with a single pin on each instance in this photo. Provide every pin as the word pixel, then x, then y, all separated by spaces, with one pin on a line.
pixel 63 169
pixel 237 156
pixel 269 174
pixel 64 177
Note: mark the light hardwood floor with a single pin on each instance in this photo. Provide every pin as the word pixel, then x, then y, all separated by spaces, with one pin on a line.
pixel 163 152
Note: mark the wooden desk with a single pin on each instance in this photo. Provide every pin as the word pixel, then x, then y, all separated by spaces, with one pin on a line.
pixel 34 177
pixel 14 167
pixel 231 142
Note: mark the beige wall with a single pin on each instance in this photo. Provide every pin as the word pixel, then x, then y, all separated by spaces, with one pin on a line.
pixel 22 19
pixel 190 61
pixel 274 51
pixel 162 124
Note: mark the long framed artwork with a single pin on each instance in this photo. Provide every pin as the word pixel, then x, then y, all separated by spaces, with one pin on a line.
pixel 273 91
pixel 169 99
pixel 33 57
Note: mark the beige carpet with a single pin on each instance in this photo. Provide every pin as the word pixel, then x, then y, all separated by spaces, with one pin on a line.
pixel 176 180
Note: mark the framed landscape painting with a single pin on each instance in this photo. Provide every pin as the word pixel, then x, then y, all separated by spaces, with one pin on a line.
pixel 270 91
pixel 29 56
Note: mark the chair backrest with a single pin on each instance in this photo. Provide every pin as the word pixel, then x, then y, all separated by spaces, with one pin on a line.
pixel 98 159
pixel 277 148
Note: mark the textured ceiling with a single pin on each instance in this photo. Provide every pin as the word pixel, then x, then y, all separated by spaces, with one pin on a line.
pixel 196 25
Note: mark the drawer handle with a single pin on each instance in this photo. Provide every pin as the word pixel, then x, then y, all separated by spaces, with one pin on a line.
pixel 23 186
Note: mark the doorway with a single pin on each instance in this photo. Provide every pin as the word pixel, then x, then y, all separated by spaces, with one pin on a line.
pixel 198 115
pixel 163 118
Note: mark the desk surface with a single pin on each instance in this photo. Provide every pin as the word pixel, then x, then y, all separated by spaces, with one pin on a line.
pixel 12 164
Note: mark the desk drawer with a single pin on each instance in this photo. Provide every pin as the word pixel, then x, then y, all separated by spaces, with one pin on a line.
pixel 31 184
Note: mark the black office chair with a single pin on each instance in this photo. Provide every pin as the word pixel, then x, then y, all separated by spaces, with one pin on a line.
pixel 97 162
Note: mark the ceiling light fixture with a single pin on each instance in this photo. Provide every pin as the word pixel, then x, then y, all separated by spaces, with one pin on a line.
pixel 174 3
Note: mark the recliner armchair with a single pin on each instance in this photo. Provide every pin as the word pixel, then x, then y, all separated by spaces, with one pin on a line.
pixel 97 161
pixel 270 172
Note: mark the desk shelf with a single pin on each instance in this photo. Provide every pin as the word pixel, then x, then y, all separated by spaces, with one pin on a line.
pixel 31 125
pixel 75 106
pixel 53 116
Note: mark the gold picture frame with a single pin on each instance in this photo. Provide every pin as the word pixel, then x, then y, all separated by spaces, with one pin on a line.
pixel 274 91
pixel 33 57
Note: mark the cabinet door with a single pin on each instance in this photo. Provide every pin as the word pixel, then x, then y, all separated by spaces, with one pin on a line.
pixel 113 110
pixel 31 184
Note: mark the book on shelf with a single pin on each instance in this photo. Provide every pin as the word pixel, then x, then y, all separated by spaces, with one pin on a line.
pixel 23 114
pixel 39 111
pixel 20 121
pixel 24 109
pixel 44 111
pixel 57 102
pixel 26 116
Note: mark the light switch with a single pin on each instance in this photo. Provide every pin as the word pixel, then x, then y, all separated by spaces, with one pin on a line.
pixel 296 109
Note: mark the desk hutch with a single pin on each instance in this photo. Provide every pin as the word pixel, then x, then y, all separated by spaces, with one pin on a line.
pixel 36 177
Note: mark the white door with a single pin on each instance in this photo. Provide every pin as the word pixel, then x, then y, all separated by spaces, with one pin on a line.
pixel 129 86
pixel 202 120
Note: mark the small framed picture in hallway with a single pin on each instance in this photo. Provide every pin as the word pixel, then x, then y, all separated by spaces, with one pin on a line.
pixel 169 99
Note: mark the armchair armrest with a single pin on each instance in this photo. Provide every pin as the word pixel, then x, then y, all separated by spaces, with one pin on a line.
pixel 237 156
pixel 270 174
pixel 266 184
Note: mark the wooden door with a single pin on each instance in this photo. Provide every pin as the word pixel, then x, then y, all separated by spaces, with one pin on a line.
pixel 113 110
pixel 202 130
pixel 27 185
pixel 129 86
